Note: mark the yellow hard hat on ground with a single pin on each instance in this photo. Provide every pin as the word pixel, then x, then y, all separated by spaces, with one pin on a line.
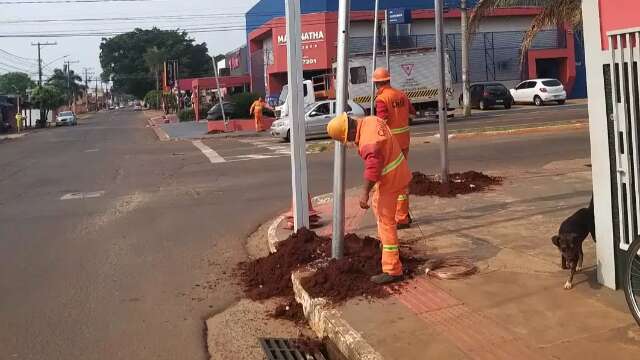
pixel 338 128
pixel 381 75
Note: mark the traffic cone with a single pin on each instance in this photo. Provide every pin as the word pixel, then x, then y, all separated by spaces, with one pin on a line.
pixel 314 215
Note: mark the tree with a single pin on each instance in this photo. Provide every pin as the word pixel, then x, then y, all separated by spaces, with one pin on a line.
pixel 69 83
pixel 554 12
pixel 15 83
pixel 47 98
pixel 131 60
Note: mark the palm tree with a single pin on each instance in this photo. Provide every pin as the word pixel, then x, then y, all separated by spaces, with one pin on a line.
pixel 69 82
pixel 554 12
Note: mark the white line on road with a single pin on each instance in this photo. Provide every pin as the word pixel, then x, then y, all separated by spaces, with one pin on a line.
pixel 82 195
pixel 92 150
pixel 208 152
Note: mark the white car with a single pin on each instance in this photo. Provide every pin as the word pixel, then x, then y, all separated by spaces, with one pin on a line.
pixel 317 116
pixel 66 118
pixel 539 91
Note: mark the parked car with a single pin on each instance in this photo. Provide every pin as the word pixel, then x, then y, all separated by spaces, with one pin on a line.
pixel 66 118
pixel 539 91
pixel 137 107
pixel 487 94
pixel 215 113
pixel 317 116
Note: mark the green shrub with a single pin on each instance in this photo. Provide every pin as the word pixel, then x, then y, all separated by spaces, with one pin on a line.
pixel 189 114
pixel 153 100
pixel 242 104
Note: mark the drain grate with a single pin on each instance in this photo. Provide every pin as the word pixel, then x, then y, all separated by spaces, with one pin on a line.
pixel 286 349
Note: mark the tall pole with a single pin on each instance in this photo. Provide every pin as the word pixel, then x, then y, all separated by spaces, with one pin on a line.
pixel 296 116
pixel 442 98
pixel 43 121
pixel 224 116
pixel 386 38
pixel 375 55
pixel 337 244
pixel 464 31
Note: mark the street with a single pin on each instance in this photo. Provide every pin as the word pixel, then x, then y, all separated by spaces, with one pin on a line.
pixel 109 235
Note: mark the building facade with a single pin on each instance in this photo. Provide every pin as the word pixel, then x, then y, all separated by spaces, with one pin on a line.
pixel 494 49
pixel 612 47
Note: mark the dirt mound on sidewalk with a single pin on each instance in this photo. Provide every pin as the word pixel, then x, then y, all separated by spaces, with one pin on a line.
pixel 349 277
pixel 459 184
pixel 290 310
pixel 271 276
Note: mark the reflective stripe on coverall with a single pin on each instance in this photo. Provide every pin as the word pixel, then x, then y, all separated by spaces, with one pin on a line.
pixel 394 106
pixel 375 139
pixel 256 109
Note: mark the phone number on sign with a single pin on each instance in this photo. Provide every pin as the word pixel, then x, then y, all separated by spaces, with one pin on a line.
pixel 309 61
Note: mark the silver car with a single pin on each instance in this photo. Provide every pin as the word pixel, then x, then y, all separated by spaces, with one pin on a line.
pixel 317 116
pixel 66 118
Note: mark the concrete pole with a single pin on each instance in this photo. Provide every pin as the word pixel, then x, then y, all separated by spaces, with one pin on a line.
pixel 296 116
pixel 442 97
pixel 224 117
pixel 375 53
pixel 464 31
pixel 342 78
pixel 386 38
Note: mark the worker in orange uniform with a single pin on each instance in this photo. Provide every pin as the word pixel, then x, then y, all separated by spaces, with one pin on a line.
pixel 256 110
pixel 386 174
pixel 393 106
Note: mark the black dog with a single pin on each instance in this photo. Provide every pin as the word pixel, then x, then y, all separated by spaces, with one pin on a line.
pixel 573 231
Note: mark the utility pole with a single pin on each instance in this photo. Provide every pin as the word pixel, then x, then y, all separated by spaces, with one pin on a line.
pixel 43 121
pixel 464 31
pixel 97 106
pixel 375 55
pixel 342 71
pixel 72 101
pixel 442 97
pixel 296 116
pixel 386 38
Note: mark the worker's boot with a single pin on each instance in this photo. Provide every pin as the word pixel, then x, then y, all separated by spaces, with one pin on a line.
pixel 385 278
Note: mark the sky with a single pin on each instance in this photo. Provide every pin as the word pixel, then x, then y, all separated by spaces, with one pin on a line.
pixel 221 23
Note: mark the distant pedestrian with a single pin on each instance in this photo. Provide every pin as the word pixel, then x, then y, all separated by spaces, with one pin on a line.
pixel 18 122
pixel 256 110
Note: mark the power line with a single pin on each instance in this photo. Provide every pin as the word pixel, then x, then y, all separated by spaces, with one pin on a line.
pixel 65 1
pixel 136 18
pixel 19 57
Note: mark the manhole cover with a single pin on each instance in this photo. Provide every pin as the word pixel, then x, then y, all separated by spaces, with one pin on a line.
pixel 288 349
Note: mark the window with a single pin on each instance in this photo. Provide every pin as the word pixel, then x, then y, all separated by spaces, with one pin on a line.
pixel 476 91
pixel 322 109
pixel 523 85
pixel 551 83
pixel 531 85
pixel 358 75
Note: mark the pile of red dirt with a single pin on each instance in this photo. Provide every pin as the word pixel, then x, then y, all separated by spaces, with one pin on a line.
pixel 459 184
pixel 271 276
pixel 290 310
pixel 349 277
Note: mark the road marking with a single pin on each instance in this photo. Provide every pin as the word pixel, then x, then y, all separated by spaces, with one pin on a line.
pixel 82 195
pixel 91 150
pixel 208 152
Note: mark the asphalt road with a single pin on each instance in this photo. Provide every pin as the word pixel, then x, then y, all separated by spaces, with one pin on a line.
pixel 131 270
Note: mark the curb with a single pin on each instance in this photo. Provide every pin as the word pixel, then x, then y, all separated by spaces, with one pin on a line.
pixel 13 136
pixel 160 133
pixel 327 322
pixel 324 320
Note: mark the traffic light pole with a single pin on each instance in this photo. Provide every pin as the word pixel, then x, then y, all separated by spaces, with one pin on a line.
pixel 296 116
pixel 375 56
pixel 342 77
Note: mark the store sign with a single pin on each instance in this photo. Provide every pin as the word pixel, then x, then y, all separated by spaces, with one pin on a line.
pixel 309 36
pixel 399 16
pixel 234 61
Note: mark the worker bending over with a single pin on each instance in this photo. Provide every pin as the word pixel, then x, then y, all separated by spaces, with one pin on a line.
pixel 386 174
pixel 393 106
pixel 256 110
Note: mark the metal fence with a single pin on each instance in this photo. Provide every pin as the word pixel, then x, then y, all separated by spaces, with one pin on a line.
pixel 493 56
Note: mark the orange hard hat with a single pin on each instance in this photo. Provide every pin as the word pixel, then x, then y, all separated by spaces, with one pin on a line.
pixel 381 74
pixel 338 128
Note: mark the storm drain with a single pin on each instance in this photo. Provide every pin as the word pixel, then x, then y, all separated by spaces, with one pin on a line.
pixel 287 349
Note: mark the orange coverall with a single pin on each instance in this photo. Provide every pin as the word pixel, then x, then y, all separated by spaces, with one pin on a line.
pixel 256 110
pixel 386 166
pixel 394 106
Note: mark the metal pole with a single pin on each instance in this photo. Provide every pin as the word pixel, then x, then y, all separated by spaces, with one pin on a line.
pixel 296 116
pixel 386 38
pixel 375 51
pixel 224 117
pixel 342 78
pixel 464 31
pixel 442 98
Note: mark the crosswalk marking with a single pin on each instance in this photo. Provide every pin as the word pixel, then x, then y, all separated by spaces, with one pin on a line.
pixel 208 152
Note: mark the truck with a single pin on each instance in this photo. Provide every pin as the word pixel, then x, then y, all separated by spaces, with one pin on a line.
pixel 412 71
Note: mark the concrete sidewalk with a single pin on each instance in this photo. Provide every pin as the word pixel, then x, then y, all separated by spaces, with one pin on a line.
pixel 514 308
